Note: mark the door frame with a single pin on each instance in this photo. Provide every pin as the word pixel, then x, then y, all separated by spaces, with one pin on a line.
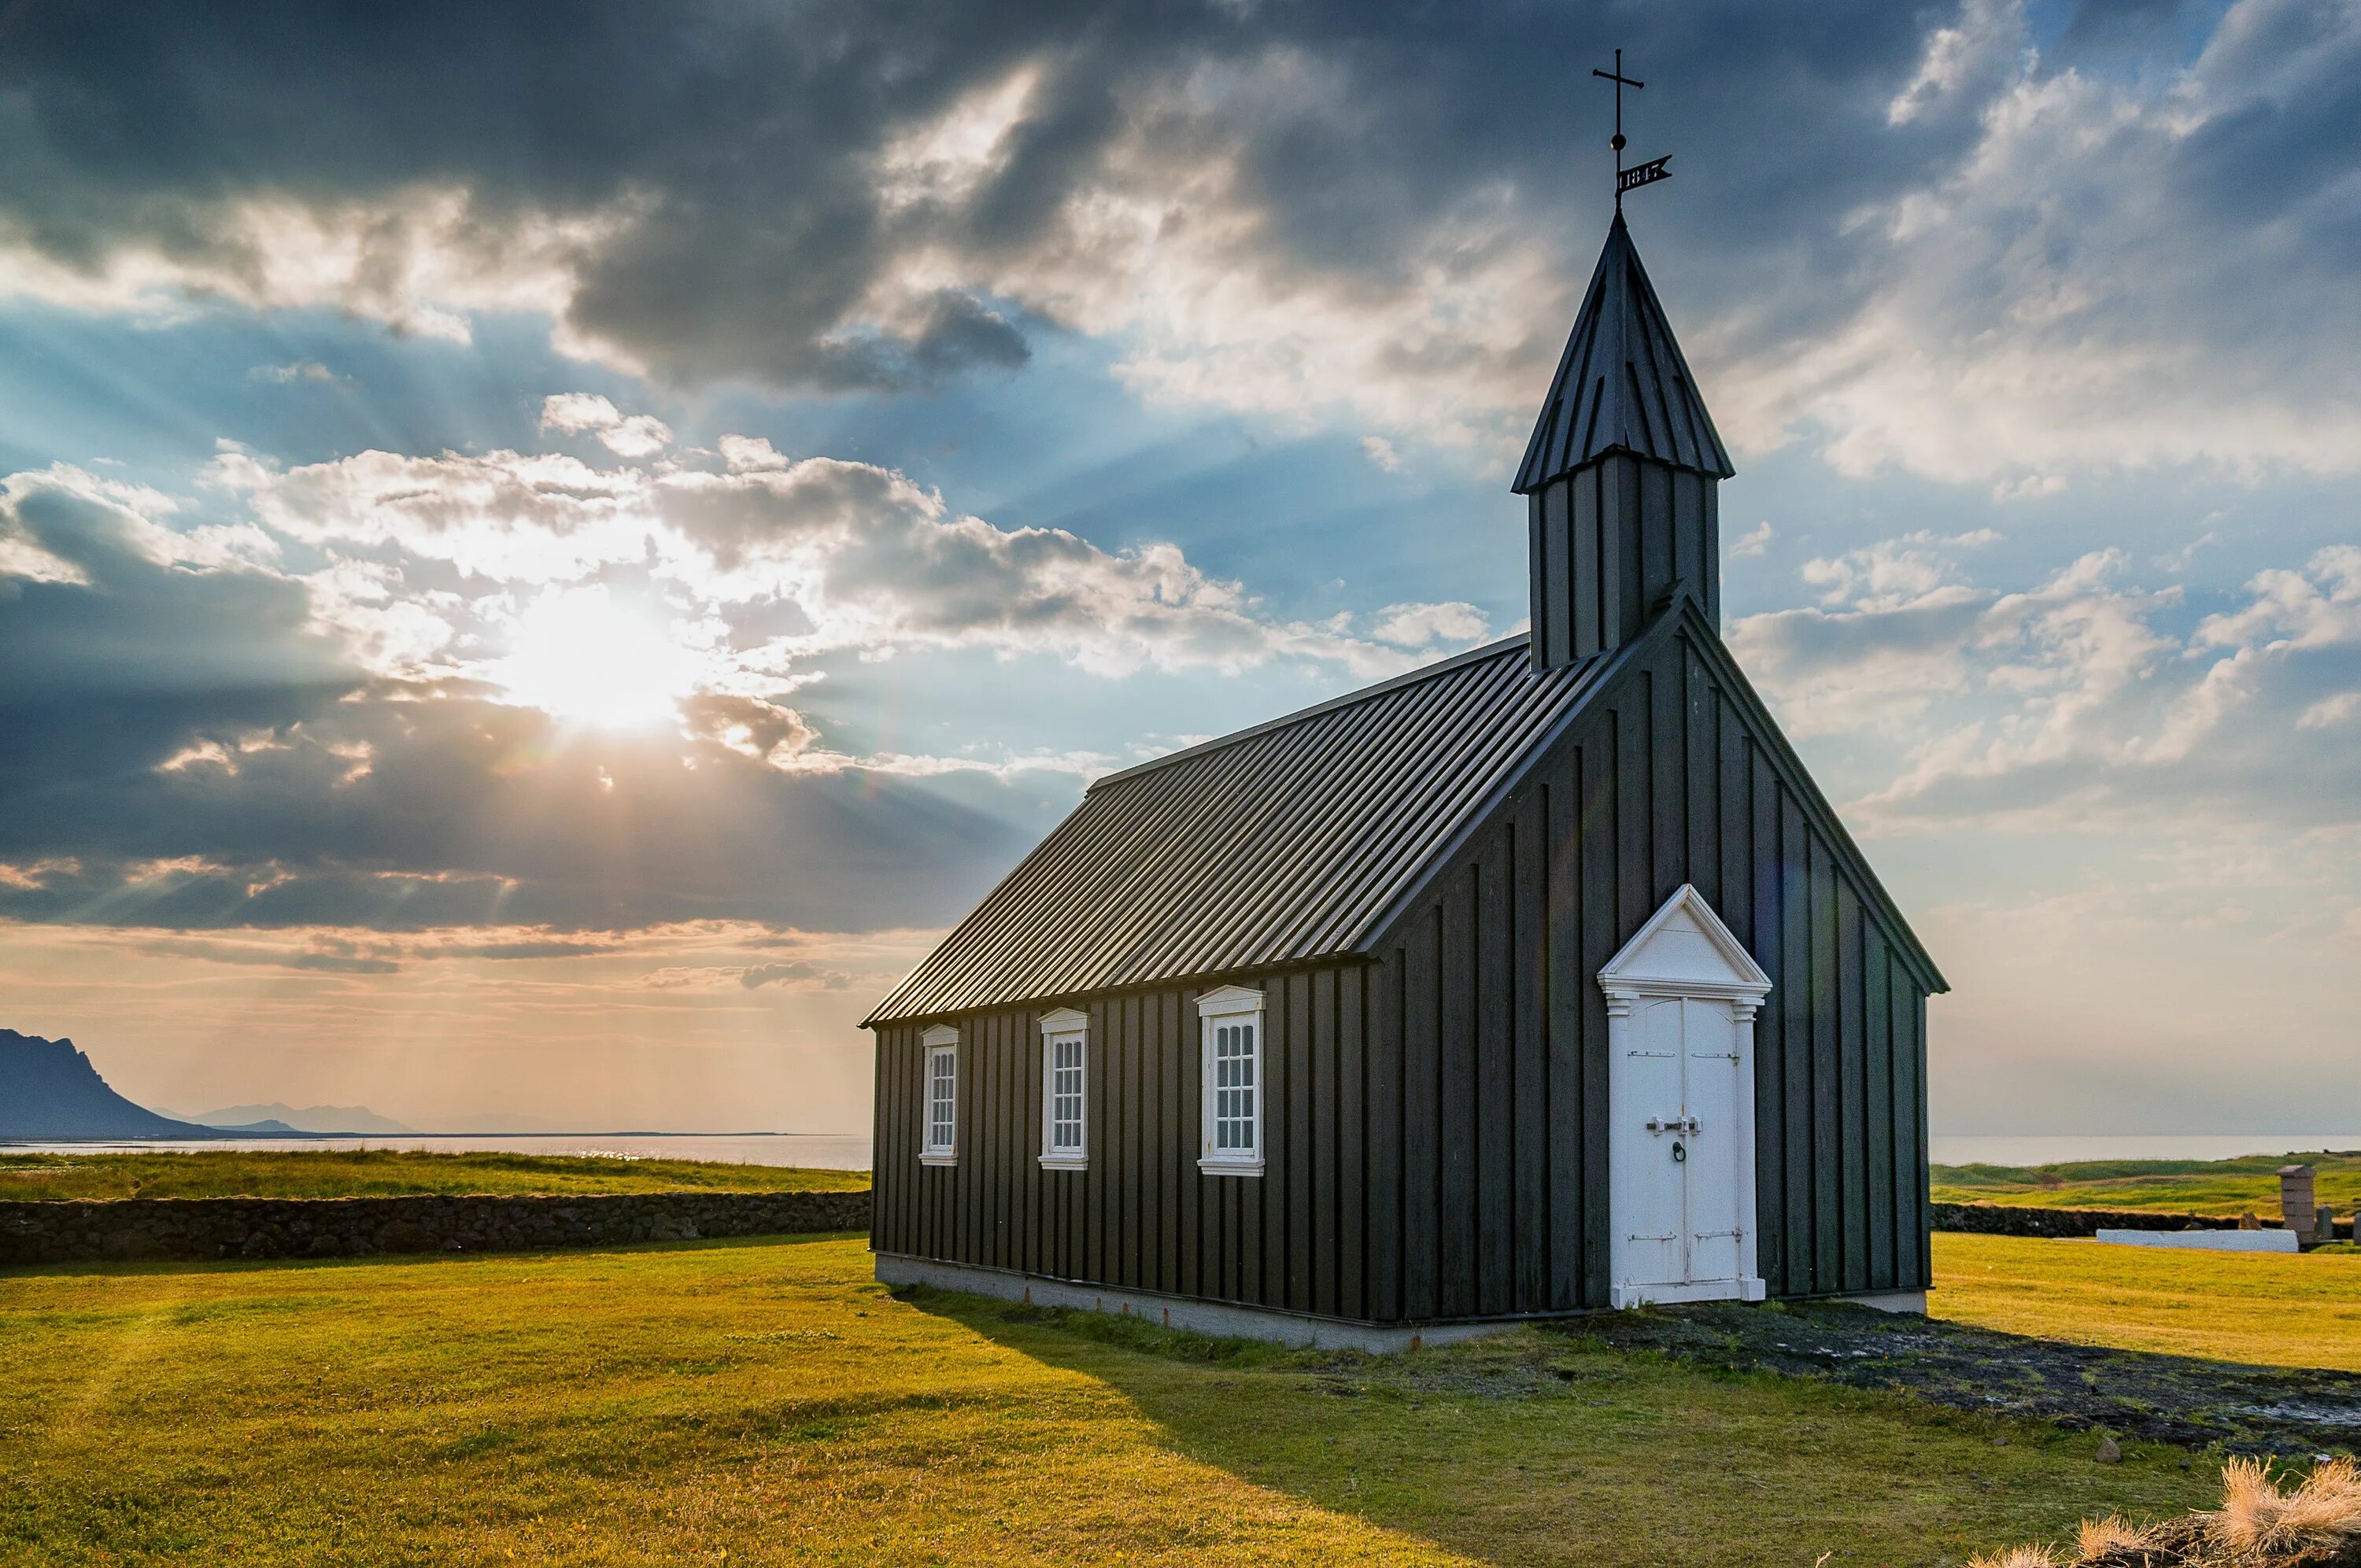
pixel 1725 972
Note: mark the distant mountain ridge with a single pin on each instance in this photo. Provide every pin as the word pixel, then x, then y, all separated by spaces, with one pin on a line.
pixel 305 1119
pixel 50 1089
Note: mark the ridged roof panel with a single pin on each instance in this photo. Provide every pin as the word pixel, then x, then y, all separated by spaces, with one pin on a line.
pixel 1622 384
pixel 1279 844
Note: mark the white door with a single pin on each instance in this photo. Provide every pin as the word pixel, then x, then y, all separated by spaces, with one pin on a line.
pixel 1681 1000
pixel 1674 1149
pixel 1647 1183
pixel 1710 1166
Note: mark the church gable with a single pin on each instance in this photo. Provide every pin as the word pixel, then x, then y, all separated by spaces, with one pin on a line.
pixel 1675 771
pixel 1685 945
pixel 1673 776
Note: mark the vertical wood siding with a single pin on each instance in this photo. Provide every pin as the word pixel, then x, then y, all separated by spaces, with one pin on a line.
pixel 1608 542
pixel 1142 1216
pixel 1434 1119
pixel 1668 778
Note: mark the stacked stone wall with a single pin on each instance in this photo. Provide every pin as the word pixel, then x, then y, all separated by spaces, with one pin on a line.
pixel 78 1231
pixel 2008 1220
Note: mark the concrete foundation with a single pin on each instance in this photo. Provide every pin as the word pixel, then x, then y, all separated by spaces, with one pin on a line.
pixel 1891 1300
pixel 1224 1319
pixel 1228 1320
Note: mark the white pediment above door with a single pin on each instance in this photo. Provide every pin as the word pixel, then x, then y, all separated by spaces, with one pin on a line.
pixel 1685 948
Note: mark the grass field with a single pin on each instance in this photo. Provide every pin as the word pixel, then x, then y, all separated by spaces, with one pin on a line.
pixel 2177 1186
pixel 381 1173
pixel 2272 1309
pixel 766 1402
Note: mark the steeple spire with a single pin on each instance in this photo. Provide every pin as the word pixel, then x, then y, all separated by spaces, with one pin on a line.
pixel 1621 383
pixel 1620 473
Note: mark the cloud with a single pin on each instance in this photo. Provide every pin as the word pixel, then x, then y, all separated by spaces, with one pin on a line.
pixel 742 453
pixel 273 956
pixel 403 692
pixel 1891 572
pixel 2342 708
pixel 850 557
pixel 2073 706
pixel 635 435
pixel 1381 451
pixel 184 743
pixel 1907 236
pixel 2039 304
pixel 1755 541
pixel 300 370
pixel 1307 213
pixel 800 973
pixel 1417 625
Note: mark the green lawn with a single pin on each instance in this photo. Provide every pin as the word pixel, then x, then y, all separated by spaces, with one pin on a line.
pixel 2178 1186
pixel 766 1402
pixel 2271 1309
pixel 379 1173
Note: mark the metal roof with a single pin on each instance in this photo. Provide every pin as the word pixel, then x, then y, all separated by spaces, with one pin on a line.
pixel 1279 844
pixel 1622 384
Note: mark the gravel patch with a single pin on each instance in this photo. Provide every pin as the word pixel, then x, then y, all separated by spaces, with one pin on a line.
pixel 2138 1394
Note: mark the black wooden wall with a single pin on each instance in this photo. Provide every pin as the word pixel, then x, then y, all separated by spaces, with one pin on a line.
pixel 1434 1125
pixel 1487 1008
pixel 1608 542
pixel 1142 1216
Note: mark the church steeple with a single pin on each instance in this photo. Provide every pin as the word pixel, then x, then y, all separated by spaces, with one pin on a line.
pixel 1620 475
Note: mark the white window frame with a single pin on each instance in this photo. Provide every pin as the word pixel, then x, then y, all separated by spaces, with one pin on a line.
pixel 1063 1025
pixel 1229 1007
pixel 941 1041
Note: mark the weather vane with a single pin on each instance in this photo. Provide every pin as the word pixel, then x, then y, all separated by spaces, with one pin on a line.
pixel 1639 174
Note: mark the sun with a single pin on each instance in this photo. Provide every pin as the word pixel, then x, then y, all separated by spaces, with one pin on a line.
pixel 582 656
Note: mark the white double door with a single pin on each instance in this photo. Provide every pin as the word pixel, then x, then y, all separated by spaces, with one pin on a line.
pixel 1681 1151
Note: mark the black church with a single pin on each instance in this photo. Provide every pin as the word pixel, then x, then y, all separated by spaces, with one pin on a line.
pixel 1538 981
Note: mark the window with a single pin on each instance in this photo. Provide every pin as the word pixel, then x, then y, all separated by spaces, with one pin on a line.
pixel 1232 1048
pixel 939 1135
pixel 1065 1068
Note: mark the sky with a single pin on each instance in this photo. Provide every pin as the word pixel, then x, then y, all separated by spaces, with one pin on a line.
pixel 548 551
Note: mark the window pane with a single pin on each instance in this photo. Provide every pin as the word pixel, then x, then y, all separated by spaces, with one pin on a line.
pixel 1065 1061
pixel 942 1098
pixel 1232 1075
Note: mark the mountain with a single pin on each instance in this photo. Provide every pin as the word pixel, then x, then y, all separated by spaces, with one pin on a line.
pixel 49 1090
pixel 303 1119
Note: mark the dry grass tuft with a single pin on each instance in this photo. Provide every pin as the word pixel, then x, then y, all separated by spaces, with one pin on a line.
pixel 2018 1557
pixel 2258 1522
pixel 2258 1525
pixel 2096 1538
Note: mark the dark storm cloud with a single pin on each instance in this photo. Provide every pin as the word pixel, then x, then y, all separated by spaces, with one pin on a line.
pixel 108 678
pixel 178 748
pixel 736 149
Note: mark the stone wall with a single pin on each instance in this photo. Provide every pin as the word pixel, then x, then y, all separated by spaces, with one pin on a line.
pixel 358 1227
pixel 355 1227
pixel 2006 1220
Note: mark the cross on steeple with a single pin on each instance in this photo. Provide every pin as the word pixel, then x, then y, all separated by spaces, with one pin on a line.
pixel 1643 174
